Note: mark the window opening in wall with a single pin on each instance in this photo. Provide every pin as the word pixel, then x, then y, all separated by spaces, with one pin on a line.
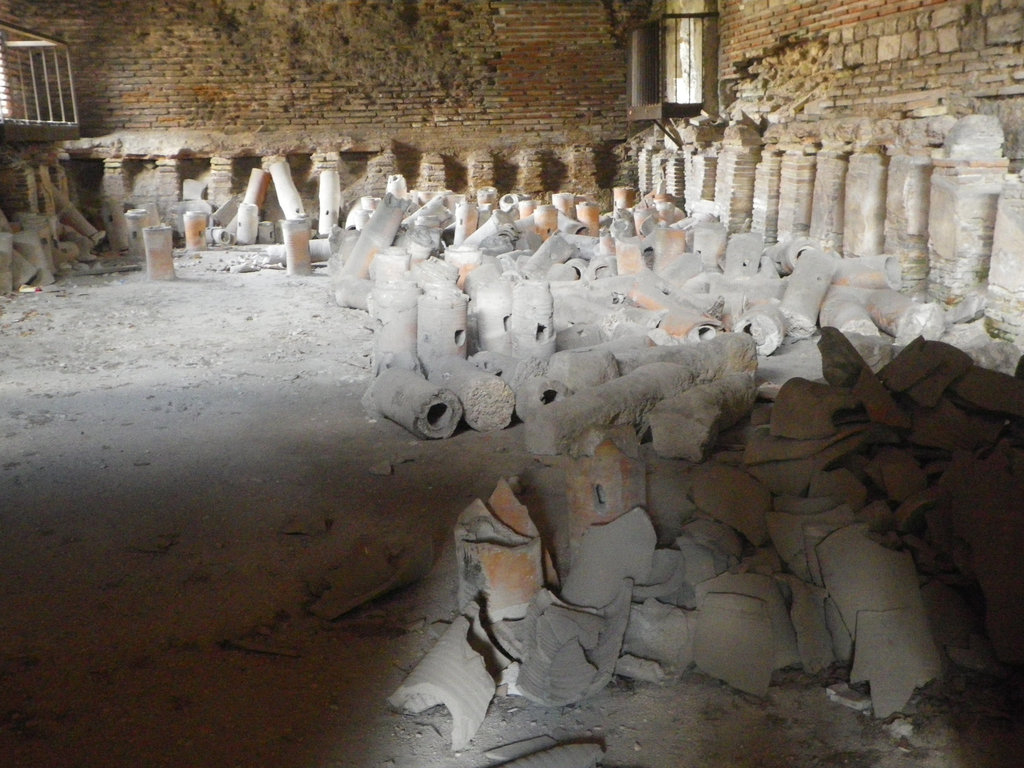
pixel 673 64
pixel 37 89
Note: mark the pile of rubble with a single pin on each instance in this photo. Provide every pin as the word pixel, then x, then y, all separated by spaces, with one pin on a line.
pixel 35 248
pixel 489 310
pixel 869 523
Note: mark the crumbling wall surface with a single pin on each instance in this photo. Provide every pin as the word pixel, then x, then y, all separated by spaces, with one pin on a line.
pixel 451 69
pixel 875 58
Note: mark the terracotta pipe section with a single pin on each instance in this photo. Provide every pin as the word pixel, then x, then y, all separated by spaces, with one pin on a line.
pixel 287 194
pixel 159 252
pixel 429 411
pixel 296 242
pixel 196 223
pixel 330 201
pixel 256 188
pixel 487 402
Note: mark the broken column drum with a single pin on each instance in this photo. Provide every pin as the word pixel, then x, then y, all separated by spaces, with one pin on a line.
pixel 248 223
pixel 287 195
pixel 158 243
pixel 441 324
pixel 330 201
pixel 296 245
pixel 532 323
pixel 195 229
pixel 136 219
pixel 394 307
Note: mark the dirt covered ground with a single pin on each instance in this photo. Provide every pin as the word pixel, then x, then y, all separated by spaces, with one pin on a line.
pixel 184 464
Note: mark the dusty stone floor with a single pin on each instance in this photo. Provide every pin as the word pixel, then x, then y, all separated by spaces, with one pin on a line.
pixel 182 464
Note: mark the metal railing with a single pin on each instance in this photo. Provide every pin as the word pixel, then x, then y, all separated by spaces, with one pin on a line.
pixel 37 88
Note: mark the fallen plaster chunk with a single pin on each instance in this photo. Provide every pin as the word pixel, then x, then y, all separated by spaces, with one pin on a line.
pixel 687 426
pixel 764 588
pixel 370 569
pixel 733 641
pixel 607 554
pixel 569 653
pixel 454 675
pixel 662 633
pixel 427 410
pixel 731 496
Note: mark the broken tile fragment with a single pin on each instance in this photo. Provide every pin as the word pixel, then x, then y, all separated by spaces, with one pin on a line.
pixel 607 554
pixel 807 612
pixel 733 641
pixel 808 410
pixel 454 675
pixel 896 473
pixel 733 497
pixel 894 654
pixel 766 590
pixel 569 653
pixel 661 633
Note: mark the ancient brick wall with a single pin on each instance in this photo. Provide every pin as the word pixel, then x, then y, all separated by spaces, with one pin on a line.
pixel 436 72
pixel 877 59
